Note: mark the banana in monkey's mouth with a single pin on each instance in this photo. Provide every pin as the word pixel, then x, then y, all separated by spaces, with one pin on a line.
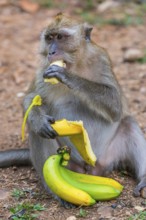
pixel 60 63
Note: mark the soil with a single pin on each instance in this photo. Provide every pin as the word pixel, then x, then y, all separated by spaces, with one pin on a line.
pixel 19 39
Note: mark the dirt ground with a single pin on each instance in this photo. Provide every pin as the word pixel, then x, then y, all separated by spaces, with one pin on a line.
pixel 19 40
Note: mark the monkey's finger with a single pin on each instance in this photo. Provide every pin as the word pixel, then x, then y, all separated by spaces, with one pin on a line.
pixel 54 68
pixel 47 132
pixel 48 135
pixel 49 75
pixel 52 133
pixel 49 70
pixel 50 119
pixel 53 71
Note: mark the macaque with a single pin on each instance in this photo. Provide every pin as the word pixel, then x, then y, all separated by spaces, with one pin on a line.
pixel 87 90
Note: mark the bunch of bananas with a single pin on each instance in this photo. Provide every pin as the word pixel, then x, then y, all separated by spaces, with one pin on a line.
pixel 76 188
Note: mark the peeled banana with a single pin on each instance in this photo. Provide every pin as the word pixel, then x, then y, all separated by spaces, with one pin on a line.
pixel 60 186
pixel 54 80
pixel 78 136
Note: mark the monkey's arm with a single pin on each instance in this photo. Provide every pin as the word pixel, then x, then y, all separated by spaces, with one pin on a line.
pixel 38 121
pixel 103 98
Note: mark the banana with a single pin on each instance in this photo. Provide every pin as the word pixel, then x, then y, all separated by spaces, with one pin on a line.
pixel 54 80
pixel 62 188
pixel 99 191
pixel 74 129
pixel 78 136
pixel 86 178
pixel 67 128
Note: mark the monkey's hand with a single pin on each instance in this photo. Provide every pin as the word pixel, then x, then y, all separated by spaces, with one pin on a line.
pixel 56 71
pixel 44 128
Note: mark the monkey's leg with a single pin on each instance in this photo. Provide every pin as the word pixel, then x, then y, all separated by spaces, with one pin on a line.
pixel 129 147
pixel 137 150
pixel 15 157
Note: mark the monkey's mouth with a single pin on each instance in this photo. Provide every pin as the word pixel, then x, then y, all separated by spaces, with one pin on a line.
pixel 60 63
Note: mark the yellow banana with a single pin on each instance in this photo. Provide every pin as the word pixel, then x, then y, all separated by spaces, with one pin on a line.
pixel 99 191
pixel 67 128
pixel 54 80
pixel 74 129
pixel 85 178
pixel 78 136
pixel 62 188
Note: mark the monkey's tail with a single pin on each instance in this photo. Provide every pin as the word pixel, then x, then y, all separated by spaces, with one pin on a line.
pixel 15 157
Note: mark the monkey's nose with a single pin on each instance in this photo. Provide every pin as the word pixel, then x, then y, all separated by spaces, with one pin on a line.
pixel 52 53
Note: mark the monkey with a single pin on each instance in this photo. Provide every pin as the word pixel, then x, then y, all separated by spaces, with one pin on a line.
pixel 88 90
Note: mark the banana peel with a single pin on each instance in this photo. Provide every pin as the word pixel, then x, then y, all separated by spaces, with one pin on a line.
pixel 54 80
pixel 78 136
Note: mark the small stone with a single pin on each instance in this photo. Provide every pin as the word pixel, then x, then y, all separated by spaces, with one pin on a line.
pixel 143 193
pixel 107 5
pixel 143 90
pixel 139 208
pixel 105 212
pixel 132 55
pixel 119 206
pixel 20 94
pixel 72 217
pixel 114 205
pixel 4 194
pixel 128 213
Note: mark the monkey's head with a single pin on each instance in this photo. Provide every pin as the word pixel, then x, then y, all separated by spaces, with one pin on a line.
pixel 65 39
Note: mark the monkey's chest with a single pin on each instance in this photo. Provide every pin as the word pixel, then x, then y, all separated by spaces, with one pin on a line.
pixel 67 107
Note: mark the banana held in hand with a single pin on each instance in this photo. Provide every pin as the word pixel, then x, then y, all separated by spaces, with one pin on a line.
pixel 60 187
pixel 78 136
pixel 58 63
pixel 74 129
pixel 99 191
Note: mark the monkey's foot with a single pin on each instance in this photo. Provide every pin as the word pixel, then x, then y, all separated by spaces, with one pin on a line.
pixel 140 190
pixel 66 204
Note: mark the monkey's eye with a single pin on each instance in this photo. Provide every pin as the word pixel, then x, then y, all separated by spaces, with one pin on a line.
pixel 59 36
pixel 49 37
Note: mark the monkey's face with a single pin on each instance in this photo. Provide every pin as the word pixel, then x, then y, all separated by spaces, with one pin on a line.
pixel 62 44
pixel 64 40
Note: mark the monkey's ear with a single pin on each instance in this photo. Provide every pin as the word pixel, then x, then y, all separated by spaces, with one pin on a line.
pixel 87 30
